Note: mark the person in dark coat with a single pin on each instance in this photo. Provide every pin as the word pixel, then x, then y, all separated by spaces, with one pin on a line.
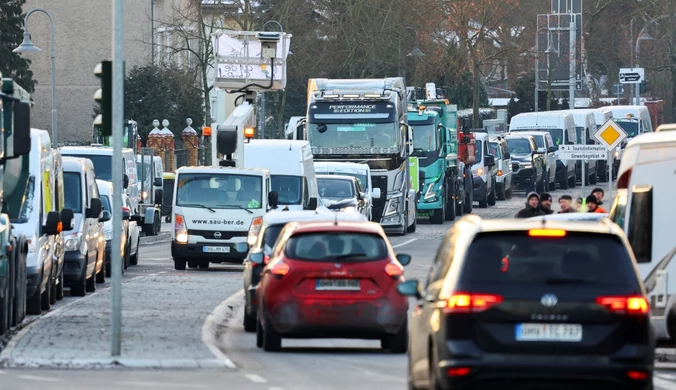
pixel 566 204
pixel 598 193
pixel 532 207
pixel 546 203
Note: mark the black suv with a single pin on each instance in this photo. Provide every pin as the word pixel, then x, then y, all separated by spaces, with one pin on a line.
pixel 528 164
pixel 531 304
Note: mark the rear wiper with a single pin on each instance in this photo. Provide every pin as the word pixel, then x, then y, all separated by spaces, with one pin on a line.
pixel 234 206
pixel 567 280
pixel 350 256
pixel 197 205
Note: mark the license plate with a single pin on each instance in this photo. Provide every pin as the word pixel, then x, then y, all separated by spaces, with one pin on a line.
pixel 571 333
pixel 216 249
pixel 338 284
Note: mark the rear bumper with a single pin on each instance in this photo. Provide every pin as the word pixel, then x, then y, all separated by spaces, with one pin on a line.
pixel 330 318
pixel 190 252
pixel 501 371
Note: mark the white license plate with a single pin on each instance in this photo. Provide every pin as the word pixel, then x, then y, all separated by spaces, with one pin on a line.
pixel 338 284
pixel 216 249
pixel 571 333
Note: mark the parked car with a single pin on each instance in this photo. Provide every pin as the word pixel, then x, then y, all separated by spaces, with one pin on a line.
pixel 531 304
pixel 263 237
pixel 528 165
pixel 106 193
pixel 484 172
pixel 85 246
pixel 499 149
pixel 134 231
pixel 343 193
pixel 548 150
pixel 317 273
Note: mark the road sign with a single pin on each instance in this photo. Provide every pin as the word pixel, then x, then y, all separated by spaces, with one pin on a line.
pixel 610 134
pixel 631 75
pixel 582 152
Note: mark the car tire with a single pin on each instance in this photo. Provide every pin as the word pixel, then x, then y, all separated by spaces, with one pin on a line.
pixel 52 294
pixel 501 193
pixel 126 260
pixel 398 343
pixel 484 202
pixel 46 297
pixel 272 341
pixel 59 287
pixel 79 289
pixel 90 284
pixel 133 259
pixel 203 265
pixel 179 265
pixel 437 217
pixel 432 376
pixel 564 183
pixel 101 275
pixel 249 323
pixel 491 194
pixel 593 178
pixel 4 311
pixel 33 304
pixel 20 287
pixel 572 182
pixel 259 334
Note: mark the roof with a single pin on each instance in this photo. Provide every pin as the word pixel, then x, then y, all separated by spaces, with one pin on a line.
pixel 72 164
pixel 339 177
pixel 520 134
pixel 653 138
pixel 277 217
pixel 338 165
pixel 223 170
pixel 479 225
pixel 666 127
pixel 105 187
pixel 93 150
pixel 331 226
pixel 572 217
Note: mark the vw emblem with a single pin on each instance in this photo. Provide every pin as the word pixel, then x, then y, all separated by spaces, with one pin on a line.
pixel 549 300
pixel 217 235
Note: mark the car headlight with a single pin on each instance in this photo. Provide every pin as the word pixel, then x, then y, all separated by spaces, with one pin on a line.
pixel 478 172
pixel 108 234
pixel 392 206
pixel 32 243
pixel 73 242
pixel 526 165
pixel 349 209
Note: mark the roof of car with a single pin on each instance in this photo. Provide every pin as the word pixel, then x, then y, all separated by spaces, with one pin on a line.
pixel 520 134
pixel 478 225
pixel 332 226
pixel 572 217
pixel 338 177
pixel 276 217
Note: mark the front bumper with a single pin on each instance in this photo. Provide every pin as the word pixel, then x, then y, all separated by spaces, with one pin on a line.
pixel 480 189
pixel 74 262
pixel 190 252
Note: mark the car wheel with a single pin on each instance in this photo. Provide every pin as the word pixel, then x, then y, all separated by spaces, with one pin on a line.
pixel 33 304
pixel 249 323
pixel 79 289
pixel 133 259
pixel 272 341
pixel 469 201
pixel 59 287
pixel 491 195
pixel 259 334
pixel 572 182
pixel 157 225
pixel 101 275
pixel 19 305
pixel 483 203
pixel 502 194
pixel 90 285
pixel 433 378
pixel 52 294
pixel 203 265
pixel 398 343
pixel 126 259
pixel 413 227
pixel 593 178
pixel 564 183
pixel 4 311
pixel 46 296
pixel 179 265
pixel 552 185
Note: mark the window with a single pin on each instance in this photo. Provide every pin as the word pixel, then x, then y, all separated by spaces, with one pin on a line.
pixel 102 165
pixel 93 189
pixel 516 258
pixel 289 189
pixel 72 188
pixel 106 203
pixel 270 236
pixel 336 247
pixel 219 191
pixel 494 149
pixel 618 212
pixel 424 137
pixel 479 150
pixel 336 188
pixel 27 207
pixel 519 145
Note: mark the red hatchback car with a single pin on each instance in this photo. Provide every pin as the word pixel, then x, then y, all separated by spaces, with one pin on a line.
pixel 332 280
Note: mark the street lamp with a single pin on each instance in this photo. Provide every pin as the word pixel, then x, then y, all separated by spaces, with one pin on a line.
pixel 643 36
pixel 262 116
pixel 416 50
pixel 549 51
pixel 27 46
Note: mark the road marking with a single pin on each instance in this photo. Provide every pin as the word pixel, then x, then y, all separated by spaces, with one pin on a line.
pixel 255 378
pixel 662 384
pixel 275 388
pixel 37 378
pixel 404 243
pixel 219 318
pixel 163 385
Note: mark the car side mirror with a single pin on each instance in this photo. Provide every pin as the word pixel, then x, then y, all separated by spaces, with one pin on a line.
pixel 273 199
pixel 95 208
pixel 53 225
pixel 241 247
pixel 312 204
pixel 640 231
pixel 489 160
pixel 507 156
pixel 136 218
pixel 376 193
pixel 404 259
pixel 552 149
pixel 256 256
pixel 409 288
pixel 126 215
pixel 158 196
pixel 67 219
pixel 105 217
pixel 157 182
pixel 361 195
pixel 125 181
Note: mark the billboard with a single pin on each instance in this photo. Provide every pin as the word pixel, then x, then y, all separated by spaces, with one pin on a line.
pixel 557 28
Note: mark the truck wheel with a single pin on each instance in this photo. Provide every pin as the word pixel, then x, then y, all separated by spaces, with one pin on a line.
pixel 101 275
pixel 469 202
pixel 52 295
pixel 593 178
pixel 450 205
pixel 249 323
pixel 438 215
pixel 133 259
pixel 501 191
pixel 19 255
pixel 33 304
pixel 491 195
pixel 59 287
pixel 4 310
pixel 572 182
pixel 79 289
pixel 179 265
pixel 90 284
pixel 413 227
pixel 157 224
pixel 552 185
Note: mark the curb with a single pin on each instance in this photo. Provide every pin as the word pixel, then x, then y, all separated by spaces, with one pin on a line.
pixel 108 363
pixel 217 323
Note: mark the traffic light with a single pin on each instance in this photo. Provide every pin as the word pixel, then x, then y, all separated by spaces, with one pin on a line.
pixel 104 96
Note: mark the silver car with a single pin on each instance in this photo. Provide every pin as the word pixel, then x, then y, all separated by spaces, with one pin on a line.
pixel 497 146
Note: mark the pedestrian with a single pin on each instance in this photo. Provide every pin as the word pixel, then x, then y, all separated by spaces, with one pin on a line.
pixel 532 207
pixel 566 204
pixel 546 203
pixel 598 193
pixel 593 205
pixel 578 204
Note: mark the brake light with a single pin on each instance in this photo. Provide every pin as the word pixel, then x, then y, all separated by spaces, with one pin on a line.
pixel 547 233
pixel 467 302
pixel 637 375
pixel 280 268
pixel 266 259
pixel 458 371
pixel 632 305
pixel 394 270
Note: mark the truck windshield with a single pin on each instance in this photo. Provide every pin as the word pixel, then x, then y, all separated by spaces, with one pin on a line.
pixel 518 146
pixel 102 165
pixel 353 135
pixel 424 138
pixel 335 188
pixel 73 191
pixel 289 189
pixel 631 127
pixel 494 149
pixel 27 208
pixel 219 191
pixel 557 134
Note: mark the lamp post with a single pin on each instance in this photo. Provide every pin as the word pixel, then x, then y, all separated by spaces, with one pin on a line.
pixel 28 47
pixel 261 119
pixel 416 52
pixel 550 49
pixel 643 36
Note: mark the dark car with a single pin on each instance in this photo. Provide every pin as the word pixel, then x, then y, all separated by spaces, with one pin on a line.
pixel 528 164
pixel 342 193
pixel 531 305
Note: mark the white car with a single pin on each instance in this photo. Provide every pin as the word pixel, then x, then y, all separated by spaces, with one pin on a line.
pixel 548 149
pixel 574 217
pixel 134 232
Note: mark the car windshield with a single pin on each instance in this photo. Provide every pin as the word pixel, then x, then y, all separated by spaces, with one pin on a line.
pixel 557 134
pixel 517 258
pixel 336 247
pixel 335 188
pixel 518 145
pixel 424 137
pixel 361 177
pixel 219 191
pixel 147 174
pixel 630 127
pixel 289 189
pixel 353 135
pixel 27 207
pixel 479 149
pixel 73 191
pixel 102 165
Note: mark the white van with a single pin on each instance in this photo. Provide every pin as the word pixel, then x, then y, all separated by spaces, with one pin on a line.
pixel 291 167
pixel 360 171
pixel 585 126
pixel 601 116
pixel 646 186
pixel 106 196
pixel 635 120
pixel 561 126
pixel 38 221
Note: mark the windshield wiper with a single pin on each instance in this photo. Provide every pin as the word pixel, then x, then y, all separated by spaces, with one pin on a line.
pixel 350 256
pixel 235 206
pixel 197 205
pixel 570 280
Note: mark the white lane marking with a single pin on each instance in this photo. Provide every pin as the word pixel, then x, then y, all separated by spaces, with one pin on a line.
pixel 218 318
pixel 404 243
pixel 662 384
pixel 37 378
pixel 255 378
pixel 162 385
pixel 275 388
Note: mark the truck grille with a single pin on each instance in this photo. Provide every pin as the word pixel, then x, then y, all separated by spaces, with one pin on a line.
pixel 225 235
pixel 379 204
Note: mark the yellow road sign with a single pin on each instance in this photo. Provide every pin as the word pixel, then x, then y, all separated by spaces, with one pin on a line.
pixel 610 134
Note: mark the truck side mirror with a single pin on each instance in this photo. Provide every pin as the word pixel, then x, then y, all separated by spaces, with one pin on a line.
pixel 640 231
pixel 489 160
pixel 507 156
pixel 158 182
pixel 376 194
pixel 22 129
pixel 126 215
pixel 312 204
pixel 158 196
pixel 95 208
pixel 273 199
pixel 552 149
pixel 67 219
pixel 53 225
pixel 136 218
pixel 125 181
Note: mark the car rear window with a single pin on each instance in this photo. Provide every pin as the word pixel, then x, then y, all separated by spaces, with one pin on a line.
pixel 336 247
pixel 271 234
pixel 576 258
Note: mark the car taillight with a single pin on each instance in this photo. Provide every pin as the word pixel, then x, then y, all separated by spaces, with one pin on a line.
pixel 637 375
pixel 458 371
pixel 462 302
pixel 625 305
pixel 394 270
pixel 126 209
pixel 280 268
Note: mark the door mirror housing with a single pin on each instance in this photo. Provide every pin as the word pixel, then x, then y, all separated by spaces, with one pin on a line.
pixel 126 215
pixel 67 219
pixel 125 181
pixel 507 156
pixel 273 199
pixel 241 247
pixel 105 217
pixel 158 182
pixel 53 225
pixel 404 259
pixel 95 208
pixel 312 204
pixel 409 288
pixel 361 195
pixel 376 194
pixel 552 149
pixel 489 160
pixel 256 256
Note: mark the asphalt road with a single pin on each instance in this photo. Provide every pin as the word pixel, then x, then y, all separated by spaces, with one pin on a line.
pixel 303 364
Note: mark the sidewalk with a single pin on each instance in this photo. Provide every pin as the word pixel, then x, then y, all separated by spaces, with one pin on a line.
pixel 162 326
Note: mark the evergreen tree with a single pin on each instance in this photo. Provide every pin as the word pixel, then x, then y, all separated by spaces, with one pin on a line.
pixel 11 35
